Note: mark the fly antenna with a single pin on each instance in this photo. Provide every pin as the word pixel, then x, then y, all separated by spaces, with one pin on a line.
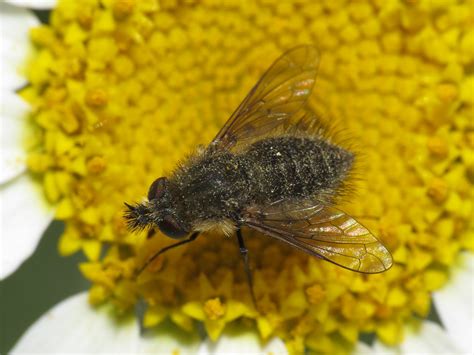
pixel 138 216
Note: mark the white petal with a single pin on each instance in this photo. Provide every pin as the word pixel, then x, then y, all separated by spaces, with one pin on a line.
pixel 24 218
pixel 235 340
pixel 429 339
pixel 454 304
pixel 14 25
pixel 363 349
pixel 34 4
pixel 12 154
pixel 75 326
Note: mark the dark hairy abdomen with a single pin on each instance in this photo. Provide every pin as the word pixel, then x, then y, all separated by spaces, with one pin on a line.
pixel 293 167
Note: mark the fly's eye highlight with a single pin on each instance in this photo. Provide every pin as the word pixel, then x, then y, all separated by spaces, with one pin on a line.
pixel 171 228
pixel 157 188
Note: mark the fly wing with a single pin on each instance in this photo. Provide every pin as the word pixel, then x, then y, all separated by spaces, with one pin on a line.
pixel 273 101
pixel 322 231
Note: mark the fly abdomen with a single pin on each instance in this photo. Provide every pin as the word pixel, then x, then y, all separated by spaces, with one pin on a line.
pixel 293 167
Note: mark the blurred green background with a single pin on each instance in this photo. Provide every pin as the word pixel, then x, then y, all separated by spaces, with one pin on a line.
pixel 42 281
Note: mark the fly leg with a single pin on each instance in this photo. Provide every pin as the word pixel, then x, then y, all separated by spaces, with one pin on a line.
pixel 244 252
pixel 161 251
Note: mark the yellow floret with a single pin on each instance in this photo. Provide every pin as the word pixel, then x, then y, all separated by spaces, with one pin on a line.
pixel 315 294
pixel 123 8
pixel 438 190
pixel 390 332
pixel 65 209
pixel 214 309
pixel 96 97
pixel 96 165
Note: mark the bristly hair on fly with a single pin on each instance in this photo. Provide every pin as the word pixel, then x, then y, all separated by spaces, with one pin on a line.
pixel 138 216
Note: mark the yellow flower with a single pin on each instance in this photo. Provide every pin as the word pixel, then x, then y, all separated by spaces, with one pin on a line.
pixel 216 307
pixel 121 90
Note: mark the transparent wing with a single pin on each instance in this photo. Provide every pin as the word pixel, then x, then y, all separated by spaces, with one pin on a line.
pixel 271 104
pixel 322 231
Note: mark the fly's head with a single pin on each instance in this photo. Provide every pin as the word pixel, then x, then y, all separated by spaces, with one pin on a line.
pixel 159 211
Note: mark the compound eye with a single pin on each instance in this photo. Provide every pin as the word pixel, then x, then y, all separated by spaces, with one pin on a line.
pixel 171 228
pixel 158 188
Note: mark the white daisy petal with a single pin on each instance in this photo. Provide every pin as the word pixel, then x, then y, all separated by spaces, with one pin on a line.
pixel 363 349
pixel 34 4
pixel 429 339
pixel 235 340
pixel 24 218
pixel 12 154
pixel 14 25
pixel 454 304
pixel 75 326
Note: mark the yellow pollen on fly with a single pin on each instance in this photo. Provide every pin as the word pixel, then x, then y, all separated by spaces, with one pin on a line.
pixel 122 90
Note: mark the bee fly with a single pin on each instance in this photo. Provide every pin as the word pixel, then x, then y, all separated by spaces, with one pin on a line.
pixel 272 168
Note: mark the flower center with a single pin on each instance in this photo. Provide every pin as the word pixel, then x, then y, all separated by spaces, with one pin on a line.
pixel 124 89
